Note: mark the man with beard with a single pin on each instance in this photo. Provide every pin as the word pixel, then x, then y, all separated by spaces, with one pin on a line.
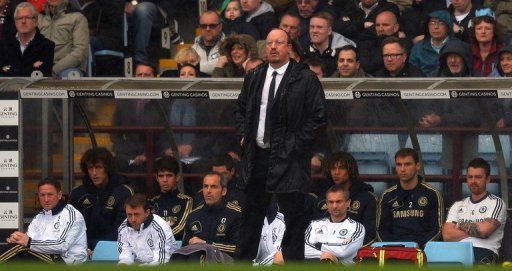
pixel 479 218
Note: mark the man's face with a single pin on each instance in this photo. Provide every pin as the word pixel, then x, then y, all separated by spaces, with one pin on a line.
pixel 394 57
pixel 25 21
pixel 250 5
pixel 506 63
pixel 461 5
pixel 224 171
pixel 136 216
pixel 143 71
pixel 484 32
pixel 319 30
pixel 48 196
pixel 386 24
pixel 213 190
pixel 368 3
pixel 455 63
pixel 277 48
pixel 437 29
pixel 477 180
pixel 167 180
pixel 210 27
pixel 337 204
pixel 98 174
pixel 406 168
pixel 306 7
pixel 291 25
pixel 347 63
pixel 339 173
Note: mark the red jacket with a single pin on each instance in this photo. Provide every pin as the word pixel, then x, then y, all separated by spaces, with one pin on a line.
pixel 483 67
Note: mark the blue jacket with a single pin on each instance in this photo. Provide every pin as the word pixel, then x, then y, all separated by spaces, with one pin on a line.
pixel 423 56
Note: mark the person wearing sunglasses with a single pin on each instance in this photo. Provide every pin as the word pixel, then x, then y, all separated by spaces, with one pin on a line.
pixel 207 45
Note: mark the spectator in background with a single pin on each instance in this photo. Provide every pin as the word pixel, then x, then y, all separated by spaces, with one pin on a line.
pixel 187 71
pixel 370 41
pixel 417 15
pixel 504 64
pixel 349 65
pixel 324 41
pixel 101 197
pixel 462 11
pixel 260 14
pixel 185 56
pixel 144 238
pixel 28 50
pixel 235 51
pixel 486 40
pixel 105 19
pixel 290 22
pixel 171 205
pixel 234 23
pixel 315 65
pixel 72 39
pixel 455 60
pixel 350 18
pixel 305 9
pixel 394 55
pixel 208 44
pixel 147 14
pixel 425 54
pixel 7 27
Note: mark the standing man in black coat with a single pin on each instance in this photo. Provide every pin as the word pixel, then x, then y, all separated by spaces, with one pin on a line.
pixel 276 142
pixel 28 50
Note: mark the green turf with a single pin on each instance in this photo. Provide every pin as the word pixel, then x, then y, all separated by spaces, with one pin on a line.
pixel 236 267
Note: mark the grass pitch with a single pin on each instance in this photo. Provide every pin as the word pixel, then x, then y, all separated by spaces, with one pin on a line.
pixel 232 267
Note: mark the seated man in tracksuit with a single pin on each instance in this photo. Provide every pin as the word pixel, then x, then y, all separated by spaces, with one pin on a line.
pixel 56 234
pixel 269 250
pixel 173 206
pixel 144 238
pixel 101 197
pixel 214 223
pixel 336 238
pixel 411 210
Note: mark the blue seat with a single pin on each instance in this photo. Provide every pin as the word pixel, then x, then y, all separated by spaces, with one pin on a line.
pixel 431 150
pixel 106 251
pixel 373 151
pixel 404 244
pixel 179 243
pixel 450 253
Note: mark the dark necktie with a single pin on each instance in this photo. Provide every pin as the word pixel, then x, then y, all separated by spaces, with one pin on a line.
pixel 271 90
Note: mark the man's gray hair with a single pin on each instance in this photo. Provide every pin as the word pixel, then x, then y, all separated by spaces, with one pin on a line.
pixel 223 179
pixel 28 5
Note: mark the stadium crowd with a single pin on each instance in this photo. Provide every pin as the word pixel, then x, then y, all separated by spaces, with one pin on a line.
pixel 261 205
pixel 437 38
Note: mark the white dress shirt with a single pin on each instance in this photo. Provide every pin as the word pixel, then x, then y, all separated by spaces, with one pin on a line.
pixel 264 100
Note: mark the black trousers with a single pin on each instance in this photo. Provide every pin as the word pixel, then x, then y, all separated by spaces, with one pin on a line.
pixel 15 253
pixel 484 256
pixel 254 211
